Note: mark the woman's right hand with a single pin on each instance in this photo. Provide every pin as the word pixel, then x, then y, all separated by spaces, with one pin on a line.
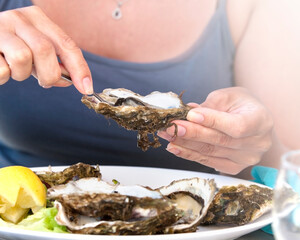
pixel 30 44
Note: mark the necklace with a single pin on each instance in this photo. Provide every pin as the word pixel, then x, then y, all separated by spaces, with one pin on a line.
pixel 117 13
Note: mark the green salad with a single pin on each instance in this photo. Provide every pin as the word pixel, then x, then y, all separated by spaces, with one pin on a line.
pixel 43 220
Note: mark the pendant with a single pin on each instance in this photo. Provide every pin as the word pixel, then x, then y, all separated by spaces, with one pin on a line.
pixel 117 13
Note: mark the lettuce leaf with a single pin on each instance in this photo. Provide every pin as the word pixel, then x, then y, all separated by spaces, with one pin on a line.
pixel 43 220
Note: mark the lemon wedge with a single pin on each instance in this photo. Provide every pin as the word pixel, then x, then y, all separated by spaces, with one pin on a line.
pixel 20 191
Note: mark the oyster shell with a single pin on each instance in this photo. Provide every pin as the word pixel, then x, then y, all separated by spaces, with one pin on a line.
pixel 145 114
pixel 238 205
pixel 192 196
pixel 74 172
pixel 166 214
pixel 93 206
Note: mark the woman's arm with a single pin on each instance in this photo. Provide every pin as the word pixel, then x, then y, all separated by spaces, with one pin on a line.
pixel 267 63
pixel 232 130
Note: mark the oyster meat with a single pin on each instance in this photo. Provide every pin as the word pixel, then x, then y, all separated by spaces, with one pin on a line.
pixel 193 196
pixel 238 205
pixel 145 114
pixel 94 206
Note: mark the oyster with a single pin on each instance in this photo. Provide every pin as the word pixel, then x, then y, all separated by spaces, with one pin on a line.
pixel 239 205
pixel 145 114
pixel 192 196
pixel 74 172
pixel 93 206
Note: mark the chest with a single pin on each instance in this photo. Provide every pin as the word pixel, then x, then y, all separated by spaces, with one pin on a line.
pixel 148 31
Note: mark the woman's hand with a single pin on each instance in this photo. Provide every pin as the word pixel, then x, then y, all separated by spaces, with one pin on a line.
pixel 30 43
pixel 230 131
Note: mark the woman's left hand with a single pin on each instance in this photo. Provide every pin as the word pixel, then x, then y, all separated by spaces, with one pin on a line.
pixel 230 131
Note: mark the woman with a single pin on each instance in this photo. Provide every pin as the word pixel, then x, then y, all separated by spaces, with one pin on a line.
pixel 203 47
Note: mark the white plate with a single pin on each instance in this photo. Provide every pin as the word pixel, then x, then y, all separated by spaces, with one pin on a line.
pixel 153 177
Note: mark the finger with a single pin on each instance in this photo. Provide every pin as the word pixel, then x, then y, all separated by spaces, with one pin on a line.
pixel 68 52
pixel 45 61
pixel 193 105
pixel 194 132
pixel 4 70
pixel 220 164
pixel 236 155
pixel 236 125
pixel 17 55
pixel 60 83
pixel 251 157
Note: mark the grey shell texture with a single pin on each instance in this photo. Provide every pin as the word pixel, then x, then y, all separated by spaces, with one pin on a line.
pixel 193 196
pixel 90 205
pixel 238 205
pixel 93 206
pixel 74 172
pixel 144 114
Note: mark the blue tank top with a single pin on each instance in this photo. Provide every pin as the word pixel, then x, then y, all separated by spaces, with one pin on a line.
pixel 41 127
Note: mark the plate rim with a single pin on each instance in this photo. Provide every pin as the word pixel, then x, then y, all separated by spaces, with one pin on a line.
pixel 250 227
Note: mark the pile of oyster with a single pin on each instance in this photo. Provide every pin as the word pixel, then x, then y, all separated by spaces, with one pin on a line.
pixel 145 114
pixel 92 206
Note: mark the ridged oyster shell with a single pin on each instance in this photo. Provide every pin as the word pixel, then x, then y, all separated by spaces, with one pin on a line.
pixel 93 206
pixel 73 172
pixel 193 196
pixel 145 114
pixel 238 205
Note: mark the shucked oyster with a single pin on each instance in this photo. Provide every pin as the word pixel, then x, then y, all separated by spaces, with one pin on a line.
pixel 193 196
pixel 145 114
pixel 95 207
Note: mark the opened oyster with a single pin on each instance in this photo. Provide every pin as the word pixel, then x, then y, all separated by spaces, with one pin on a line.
pixel 145 114
pixel 93 206
pixel 193 196
pixel 238 205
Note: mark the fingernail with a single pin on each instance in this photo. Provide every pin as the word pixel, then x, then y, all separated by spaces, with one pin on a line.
pixel 43 86
pixel 171 130
pixel 173 150
pixel 87 85
pixel 164 135
pixel 195 117
pixel 180 131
